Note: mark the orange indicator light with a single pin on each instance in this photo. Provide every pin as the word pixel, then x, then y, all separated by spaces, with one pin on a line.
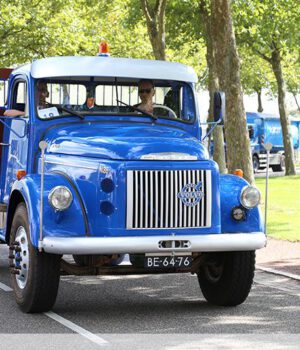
pixel 239 172
pixel 20 173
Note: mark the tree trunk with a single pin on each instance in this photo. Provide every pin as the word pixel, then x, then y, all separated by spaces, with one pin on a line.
pixel 155 19
pixel 213 85
pixel 296 101
pixel 285 123
pixel 228 68
pixel 259 101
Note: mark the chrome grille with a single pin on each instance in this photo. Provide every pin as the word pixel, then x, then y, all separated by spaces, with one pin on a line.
pixel 153 202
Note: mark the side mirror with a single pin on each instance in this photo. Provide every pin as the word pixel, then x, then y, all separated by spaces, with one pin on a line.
pixel 251 131
pixel 219 106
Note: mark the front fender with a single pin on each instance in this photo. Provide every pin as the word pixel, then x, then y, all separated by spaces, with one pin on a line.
pixel 230 189
pixel 69 223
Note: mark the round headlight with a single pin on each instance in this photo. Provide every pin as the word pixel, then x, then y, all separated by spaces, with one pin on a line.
pixel 250 197
pixel 60 198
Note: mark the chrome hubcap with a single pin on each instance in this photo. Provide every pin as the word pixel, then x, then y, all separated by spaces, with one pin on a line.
pixel 21 259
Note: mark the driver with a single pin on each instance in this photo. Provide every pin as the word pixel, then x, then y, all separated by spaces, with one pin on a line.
pixel 146 93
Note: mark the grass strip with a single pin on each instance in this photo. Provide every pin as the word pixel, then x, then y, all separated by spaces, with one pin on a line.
pixel 283 206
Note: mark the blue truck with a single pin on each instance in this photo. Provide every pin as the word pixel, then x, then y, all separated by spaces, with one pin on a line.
pixel 113 181
pixel 265 128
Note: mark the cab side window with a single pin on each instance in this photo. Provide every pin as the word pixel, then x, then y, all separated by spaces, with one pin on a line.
pixel 19 97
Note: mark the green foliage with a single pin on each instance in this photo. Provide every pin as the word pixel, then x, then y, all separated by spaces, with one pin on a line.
pixel 264 26
pixel 40 28
pixel 256 74
pixel 34 29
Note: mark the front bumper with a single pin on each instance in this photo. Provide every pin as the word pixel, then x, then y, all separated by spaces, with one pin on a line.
pixel 155 244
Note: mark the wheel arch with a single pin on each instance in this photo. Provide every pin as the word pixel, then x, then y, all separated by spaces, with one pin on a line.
pixel 16 198
pixel 28 190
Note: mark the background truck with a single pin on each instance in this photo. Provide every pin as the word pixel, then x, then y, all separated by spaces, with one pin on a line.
pixel 101 183
pixel 265 128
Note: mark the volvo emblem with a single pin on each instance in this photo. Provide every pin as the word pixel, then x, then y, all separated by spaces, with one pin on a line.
pixel 191 194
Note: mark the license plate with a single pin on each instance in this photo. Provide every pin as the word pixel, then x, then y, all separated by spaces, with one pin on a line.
pixel 168 261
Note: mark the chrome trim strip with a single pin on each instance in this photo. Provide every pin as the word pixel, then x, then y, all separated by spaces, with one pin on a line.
pixel 151 198
pixel 146 197
pixel 171 212
pixel 136 190
pixel 141 185
pixel 156 199
pixel 150 244
pixel 71 165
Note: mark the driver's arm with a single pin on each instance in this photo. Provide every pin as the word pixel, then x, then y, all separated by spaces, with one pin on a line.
pixel 13 113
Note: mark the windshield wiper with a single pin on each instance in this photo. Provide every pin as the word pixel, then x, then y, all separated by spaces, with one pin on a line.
pixel 67 110
pixel 138 110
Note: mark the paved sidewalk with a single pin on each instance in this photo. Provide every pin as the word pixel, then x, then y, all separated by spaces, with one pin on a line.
pixel 280 255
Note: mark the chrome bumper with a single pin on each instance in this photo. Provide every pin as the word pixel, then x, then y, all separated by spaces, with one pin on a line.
pixel 155 244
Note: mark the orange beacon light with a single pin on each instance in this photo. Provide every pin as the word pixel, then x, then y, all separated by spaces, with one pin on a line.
pixel 103 48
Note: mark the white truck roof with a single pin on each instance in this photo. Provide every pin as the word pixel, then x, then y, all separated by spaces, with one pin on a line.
pixel 109 67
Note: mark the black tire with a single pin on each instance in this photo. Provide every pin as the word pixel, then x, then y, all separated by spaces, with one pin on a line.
pixel 36 285
pixel 255 162
pixel 279 167
pixel 137 260
pixel 226 278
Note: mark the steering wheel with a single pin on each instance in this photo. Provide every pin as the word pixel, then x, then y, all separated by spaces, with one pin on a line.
pixel 173 114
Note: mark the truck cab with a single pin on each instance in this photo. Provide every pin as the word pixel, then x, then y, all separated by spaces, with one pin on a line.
pixel 266 128
pixel 105 181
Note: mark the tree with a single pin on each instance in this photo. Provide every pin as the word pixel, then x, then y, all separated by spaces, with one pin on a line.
pixel 213 82
pixel 271 28
pixel 256 75
pixel 228 70
pixel 155 19
pixel 293 77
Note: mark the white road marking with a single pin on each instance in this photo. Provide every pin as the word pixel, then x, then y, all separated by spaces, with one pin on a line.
pixel 74 327
pixel 278 272
pixel 5 287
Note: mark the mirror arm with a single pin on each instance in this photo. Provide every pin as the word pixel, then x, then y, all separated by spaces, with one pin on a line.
pixel 214 124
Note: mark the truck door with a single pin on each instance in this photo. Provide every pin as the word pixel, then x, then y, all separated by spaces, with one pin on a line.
pixel 15 140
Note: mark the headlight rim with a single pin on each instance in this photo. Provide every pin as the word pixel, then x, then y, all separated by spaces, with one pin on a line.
pixel 242 193
pixel 50 195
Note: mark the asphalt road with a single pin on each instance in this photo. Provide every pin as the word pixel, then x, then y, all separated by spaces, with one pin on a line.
pixel 152 312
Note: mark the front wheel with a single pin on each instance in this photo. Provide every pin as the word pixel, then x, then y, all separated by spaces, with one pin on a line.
pixel 35 275
pixel 255 162
pixel 280 166
pixel 226 278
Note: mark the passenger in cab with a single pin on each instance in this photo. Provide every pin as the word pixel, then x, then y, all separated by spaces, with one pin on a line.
pixel 89 104
pixel 42 94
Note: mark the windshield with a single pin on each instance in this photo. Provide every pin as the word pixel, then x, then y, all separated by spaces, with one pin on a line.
pixel 168 99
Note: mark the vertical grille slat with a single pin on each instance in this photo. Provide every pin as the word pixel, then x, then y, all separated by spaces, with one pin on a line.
pixel 156 193
pixel 156 200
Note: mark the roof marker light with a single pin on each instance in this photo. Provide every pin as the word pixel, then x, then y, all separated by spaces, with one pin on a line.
pixel 103 48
